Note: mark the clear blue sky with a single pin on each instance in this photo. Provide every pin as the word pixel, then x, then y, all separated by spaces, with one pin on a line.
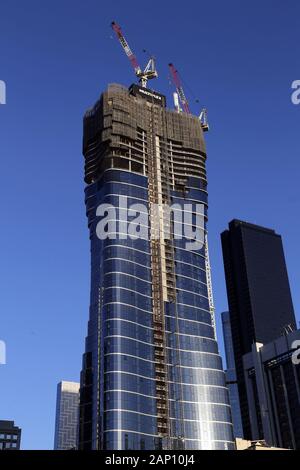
pixel 239 58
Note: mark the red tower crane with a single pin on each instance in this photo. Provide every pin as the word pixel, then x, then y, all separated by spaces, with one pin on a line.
pixel 143 75
pixel 179 88
pixel 183 99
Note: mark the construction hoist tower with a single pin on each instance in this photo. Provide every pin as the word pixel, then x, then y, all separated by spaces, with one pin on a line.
pixel 209 287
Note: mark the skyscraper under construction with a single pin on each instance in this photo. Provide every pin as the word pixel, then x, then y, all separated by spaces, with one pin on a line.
pixel 152 375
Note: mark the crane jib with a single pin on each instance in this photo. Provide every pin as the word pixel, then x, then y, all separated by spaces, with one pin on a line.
pixel 125 46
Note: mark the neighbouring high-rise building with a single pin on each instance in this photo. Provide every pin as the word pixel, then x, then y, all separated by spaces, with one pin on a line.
pixel 67 413
pixel 272 377
pixel 242 444
pixel 10 436
pixel 152 375
pixel 231 379
pixel 259 297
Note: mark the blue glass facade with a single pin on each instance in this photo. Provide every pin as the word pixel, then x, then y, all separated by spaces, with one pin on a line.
pixel 149 380
pixel 231 378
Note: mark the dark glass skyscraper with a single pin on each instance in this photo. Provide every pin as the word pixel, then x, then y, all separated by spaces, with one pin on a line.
pixel 152 376
pixel 231 379
pixel 258 291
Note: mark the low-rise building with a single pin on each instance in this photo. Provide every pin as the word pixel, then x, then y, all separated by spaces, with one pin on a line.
pixel 10 436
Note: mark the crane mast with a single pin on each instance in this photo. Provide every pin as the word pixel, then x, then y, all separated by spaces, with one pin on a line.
pixel 149 71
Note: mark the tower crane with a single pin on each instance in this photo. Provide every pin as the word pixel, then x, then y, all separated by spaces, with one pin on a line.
pixel 179 89
pixel 184 102
pixel 149 71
